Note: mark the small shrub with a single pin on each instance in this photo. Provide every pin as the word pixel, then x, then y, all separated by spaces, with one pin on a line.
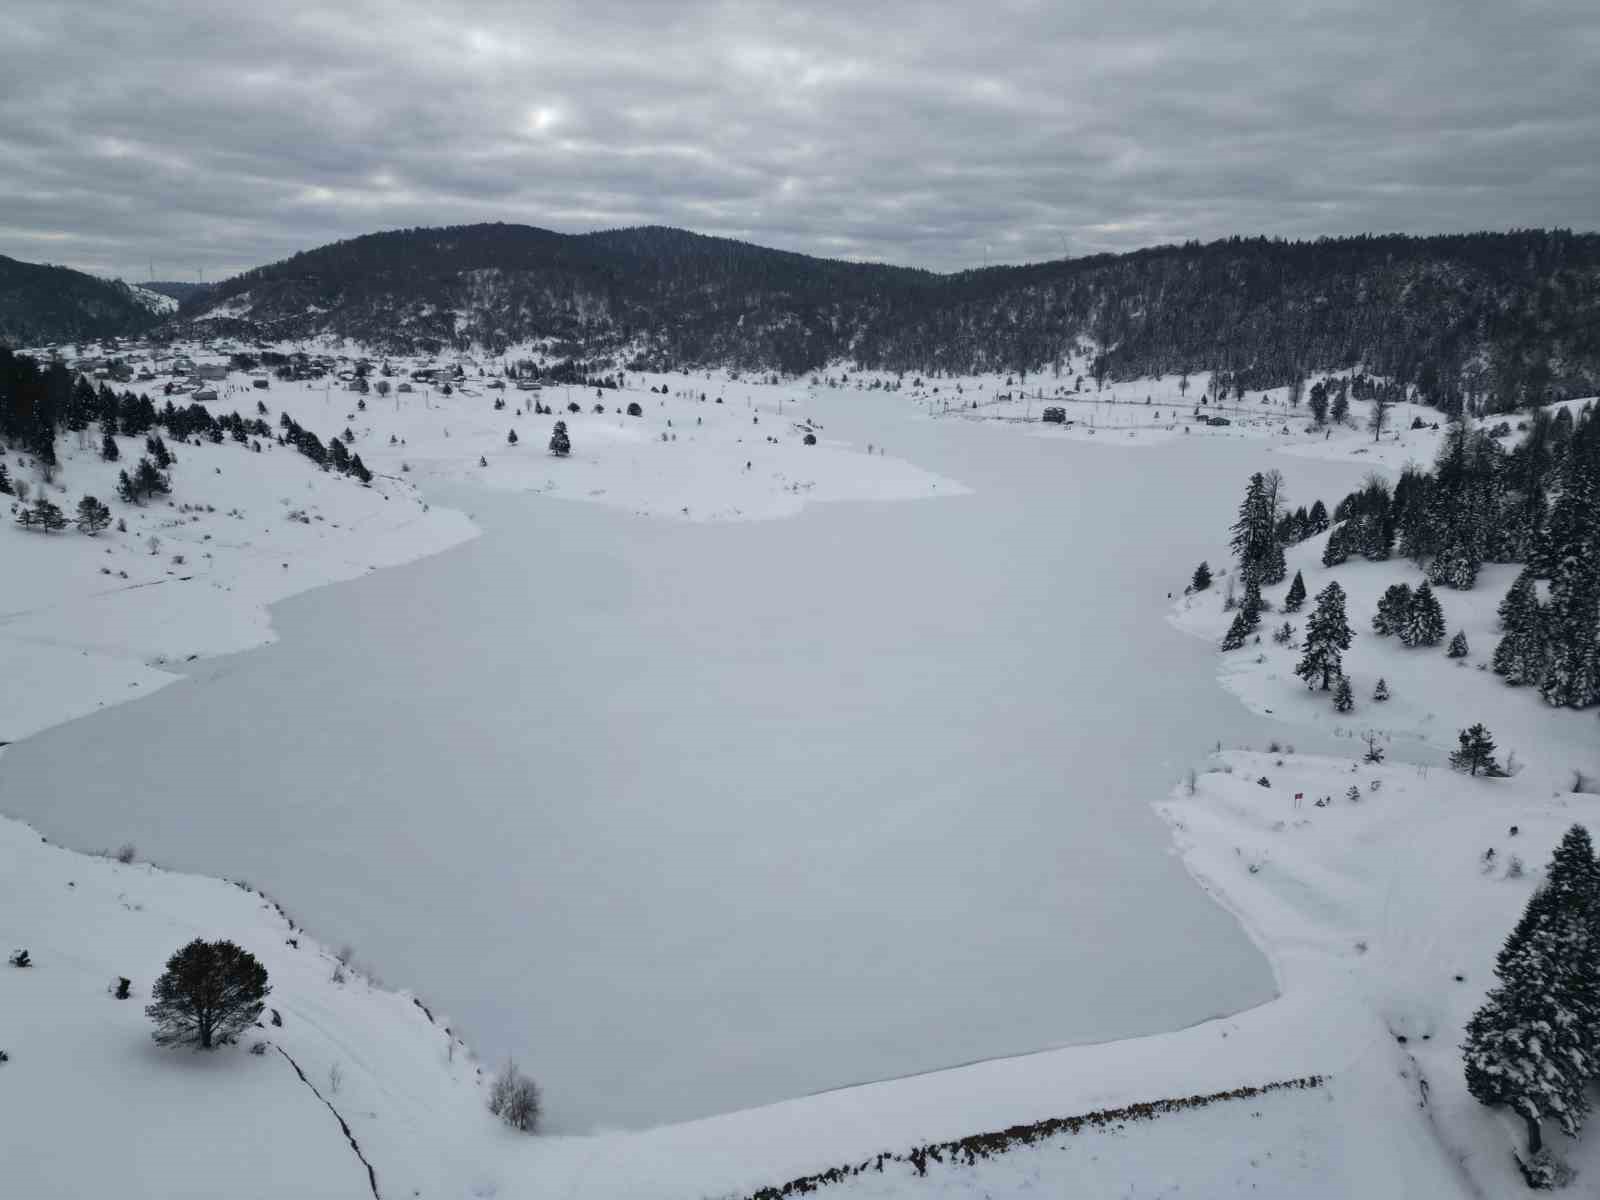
pixel 126 853
pixel 1264 782
pixel 514 1098
pixel 19 958
pixel 122 985
pixel 258 1048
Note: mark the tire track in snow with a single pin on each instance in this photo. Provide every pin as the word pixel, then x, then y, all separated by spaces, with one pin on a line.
pixel 372 1175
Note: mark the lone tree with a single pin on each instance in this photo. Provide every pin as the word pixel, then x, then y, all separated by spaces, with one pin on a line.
pixel 1458 645
pixel 1476 753
pixel 1344 699
pixel 93 516
pixel 511 437
pixel 1327 636
pixel 1296 595
pixel 1202 578
pixel 514 1098
pixel 209 993
pixel 1531 1046
pixel 560 444
pixel 1381 692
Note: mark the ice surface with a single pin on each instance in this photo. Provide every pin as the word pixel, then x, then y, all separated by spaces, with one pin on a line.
pixel 691 817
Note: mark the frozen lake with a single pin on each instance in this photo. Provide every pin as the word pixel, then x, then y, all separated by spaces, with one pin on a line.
pixel 696 817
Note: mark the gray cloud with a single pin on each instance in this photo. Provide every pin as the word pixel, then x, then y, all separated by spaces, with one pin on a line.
pixel 222 135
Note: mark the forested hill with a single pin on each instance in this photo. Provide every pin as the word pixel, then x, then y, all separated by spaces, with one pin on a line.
pixel 41 303
pixel 1505 316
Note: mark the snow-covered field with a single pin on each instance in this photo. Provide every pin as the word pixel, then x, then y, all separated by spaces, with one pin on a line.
pixel 693 814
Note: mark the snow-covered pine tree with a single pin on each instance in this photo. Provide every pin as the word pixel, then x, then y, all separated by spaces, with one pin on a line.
pixel 1531 1046
pixel 5 481
pixel 560 444
pixel 1317 518
pixel 1476 753
pixel 1272 567
pixel 1237 633
pixel 1250 607
pixel 1573 613
pixel 1254 533
pixel 1344 697
pixel 1424 623
pixel 1393 607
pixel 1296 595
pixel 1457 564
pixel 1519 656
pixel 1327 636
pixel 1458 645
pixel 1202 578
pixel 1337 549
pixel 1381 692
pixel 108 449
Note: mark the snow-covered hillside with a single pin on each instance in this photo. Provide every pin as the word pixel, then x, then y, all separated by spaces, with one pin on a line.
pixel 92 1107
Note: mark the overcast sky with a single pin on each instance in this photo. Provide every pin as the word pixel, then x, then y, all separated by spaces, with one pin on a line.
pixel 206 134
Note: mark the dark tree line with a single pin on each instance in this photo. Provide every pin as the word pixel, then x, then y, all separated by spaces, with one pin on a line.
pixel 38 404
pixel 1496 320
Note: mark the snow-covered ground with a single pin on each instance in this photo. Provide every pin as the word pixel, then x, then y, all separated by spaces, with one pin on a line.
pixel 988 780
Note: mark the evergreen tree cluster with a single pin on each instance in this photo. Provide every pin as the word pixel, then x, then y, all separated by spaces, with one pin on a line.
pixel 1534 1045
pixel 1415 617
pixel 1537 504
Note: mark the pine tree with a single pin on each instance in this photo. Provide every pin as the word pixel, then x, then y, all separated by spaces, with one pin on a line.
pixel 1572 663
pixel 1337 549
pixel 108 449
pixel 1520 654
pixel 1340 409
pixel 1381 692
pixel 1255 531
pixel 42 514
pixel 1237 633
pixel 1202 578
pixel 1317 402
pixel 1344 698
pixel 1476 753
pixel 126 492
pixel 1296 595
pixel 1393 607
pixel 210 993
pixel 149 481
pixel 92 515
pixel 1458 645
pixel 1531 1046
pixel 5 481
pixel 1327 635
pixel 1250 607
pixel 1424 623
pixel 1457 564
pixel 1272 567
pixel 560 444
pixel 511 438
pixel 1317 519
